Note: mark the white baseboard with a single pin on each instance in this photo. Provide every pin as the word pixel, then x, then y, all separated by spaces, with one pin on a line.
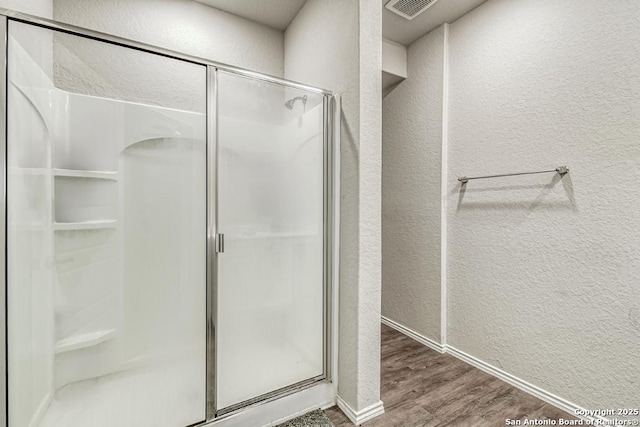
pixel 359 417
pixel 519 383
pixel 415 335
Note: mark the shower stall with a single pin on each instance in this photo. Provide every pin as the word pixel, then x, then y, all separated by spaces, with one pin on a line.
pixel 168 232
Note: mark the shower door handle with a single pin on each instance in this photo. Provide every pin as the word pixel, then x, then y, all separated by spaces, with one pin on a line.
pixel 220 243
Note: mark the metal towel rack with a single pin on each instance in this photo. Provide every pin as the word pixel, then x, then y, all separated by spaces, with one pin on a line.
pixel 560 169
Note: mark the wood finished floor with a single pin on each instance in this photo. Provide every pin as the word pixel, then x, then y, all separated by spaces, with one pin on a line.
pixel 423 388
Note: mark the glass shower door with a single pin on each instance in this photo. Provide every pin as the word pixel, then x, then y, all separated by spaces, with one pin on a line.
pixel 106 236
pixel 270 204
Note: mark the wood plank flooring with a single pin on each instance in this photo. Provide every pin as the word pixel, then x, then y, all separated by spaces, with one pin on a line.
pixel 423 388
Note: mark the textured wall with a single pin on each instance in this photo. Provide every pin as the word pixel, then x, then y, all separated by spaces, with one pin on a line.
pixel 88 67
pixel 330 44
pixel 43 8
pixel 40 52
pixel 544 273
pixel 182 25
pixel 309 46
pixel 370 201
pixel 411 149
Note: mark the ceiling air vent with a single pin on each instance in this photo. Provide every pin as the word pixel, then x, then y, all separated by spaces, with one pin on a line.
pixel 409 9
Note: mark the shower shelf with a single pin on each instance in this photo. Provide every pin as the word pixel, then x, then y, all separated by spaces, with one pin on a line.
pixel 87 225
pixel 76 173
pixel 91 339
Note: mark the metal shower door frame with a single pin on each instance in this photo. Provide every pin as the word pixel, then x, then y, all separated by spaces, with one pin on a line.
pixel 4 390
pixel 329 105
pixel 329 140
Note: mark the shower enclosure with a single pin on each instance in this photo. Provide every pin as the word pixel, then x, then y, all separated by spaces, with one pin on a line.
pixel 167 232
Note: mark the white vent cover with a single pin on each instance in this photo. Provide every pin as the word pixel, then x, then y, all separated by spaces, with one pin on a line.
pixel 409 9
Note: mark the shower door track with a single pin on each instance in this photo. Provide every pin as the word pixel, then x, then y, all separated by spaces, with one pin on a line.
pixel 213 413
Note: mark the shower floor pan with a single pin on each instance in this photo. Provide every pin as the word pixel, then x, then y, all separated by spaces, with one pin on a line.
pixel 164 395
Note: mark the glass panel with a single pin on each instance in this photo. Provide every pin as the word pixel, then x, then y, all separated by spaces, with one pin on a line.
pixel 106 234
pixel 270 209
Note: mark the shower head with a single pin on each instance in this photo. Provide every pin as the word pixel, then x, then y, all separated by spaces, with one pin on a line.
pixel 289 103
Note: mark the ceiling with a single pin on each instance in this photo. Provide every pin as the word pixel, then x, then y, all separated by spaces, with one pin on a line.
pixel 400 30
pixel 274 13
pixel 279 14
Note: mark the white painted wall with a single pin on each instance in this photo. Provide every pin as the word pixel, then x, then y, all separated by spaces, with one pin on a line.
pixel 42 8
pixel 394 63
pixel 412 135
pixel 41 53
pixel 182 25
pixel 87 67
pixel 543 273
pixel 394 58
pixel 337 45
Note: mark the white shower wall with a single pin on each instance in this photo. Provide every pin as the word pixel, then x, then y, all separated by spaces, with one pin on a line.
pixel 164 247
pixel 29 220
pixel 101 274
pixel 89 180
